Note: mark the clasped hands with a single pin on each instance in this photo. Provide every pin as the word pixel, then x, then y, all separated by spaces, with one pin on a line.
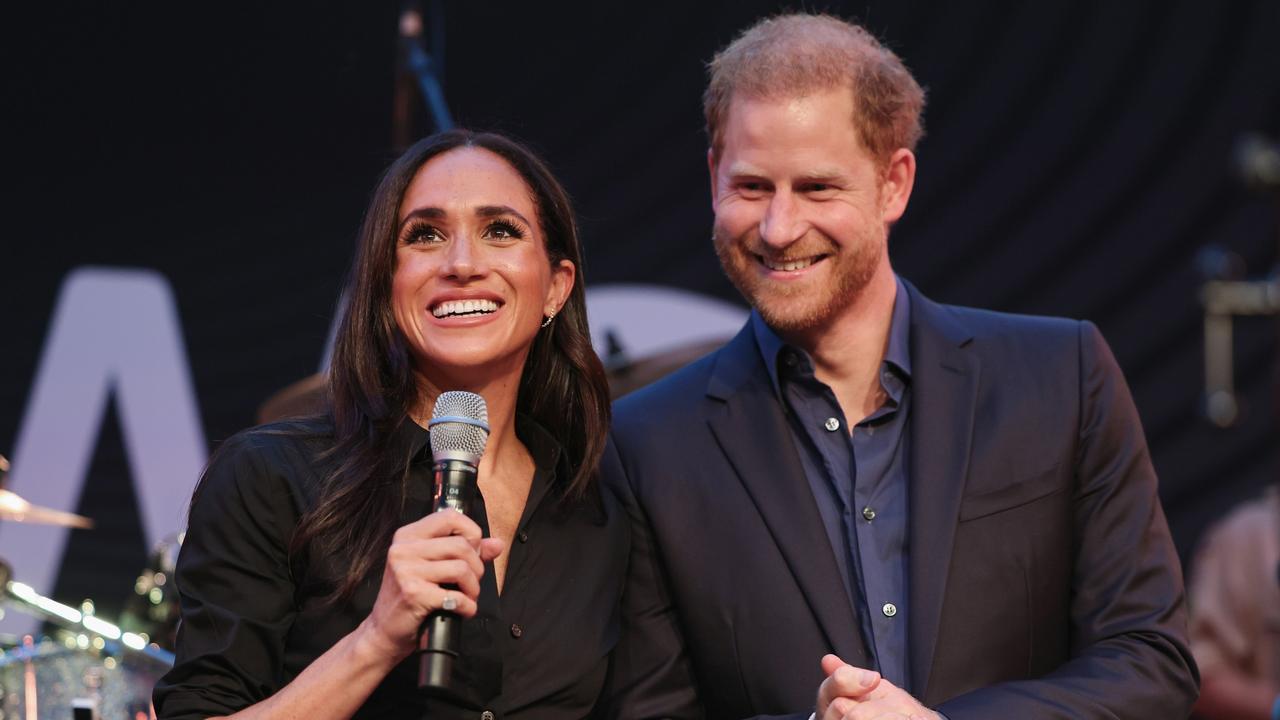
pixel 853 693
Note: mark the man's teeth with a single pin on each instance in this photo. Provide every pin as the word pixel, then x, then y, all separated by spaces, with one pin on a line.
pixel 787 265
pixel 464 307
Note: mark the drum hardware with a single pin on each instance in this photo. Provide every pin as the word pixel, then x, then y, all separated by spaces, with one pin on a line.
pixel 1226 293
pixel 152 610
pixel 16 509
pixel 81 628
pixel 91 669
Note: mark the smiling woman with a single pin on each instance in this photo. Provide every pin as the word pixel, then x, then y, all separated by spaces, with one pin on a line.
pixel 473 280
pixel 311 559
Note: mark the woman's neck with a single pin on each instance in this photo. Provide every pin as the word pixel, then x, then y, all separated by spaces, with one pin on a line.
pixel 500 396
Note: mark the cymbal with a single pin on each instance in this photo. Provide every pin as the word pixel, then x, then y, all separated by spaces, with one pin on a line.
pixel 13 507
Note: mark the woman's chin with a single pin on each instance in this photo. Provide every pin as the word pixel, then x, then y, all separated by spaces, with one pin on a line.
pixel 465 367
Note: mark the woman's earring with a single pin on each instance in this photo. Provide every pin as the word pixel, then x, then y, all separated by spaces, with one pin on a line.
pixel 547 320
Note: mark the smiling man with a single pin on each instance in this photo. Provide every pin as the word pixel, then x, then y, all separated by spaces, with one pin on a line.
pixel 869 504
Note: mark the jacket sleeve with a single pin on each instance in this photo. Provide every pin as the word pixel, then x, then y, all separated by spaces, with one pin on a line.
pixel 1129 651
pixel 649 671
pixel 235 588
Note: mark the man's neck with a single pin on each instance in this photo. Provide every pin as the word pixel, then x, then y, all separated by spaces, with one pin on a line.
pixel 848 351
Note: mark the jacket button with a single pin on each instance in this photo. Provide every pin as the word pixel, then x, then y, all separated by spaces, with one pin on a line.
pixel 516 630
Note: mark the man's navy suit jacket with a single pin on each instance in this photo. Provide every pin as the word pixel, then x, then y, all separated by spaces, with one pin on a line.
pixel 1042 580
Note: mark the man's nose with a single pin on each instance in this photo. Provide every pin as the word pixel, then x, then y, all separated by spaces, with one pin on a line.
pixel 782 224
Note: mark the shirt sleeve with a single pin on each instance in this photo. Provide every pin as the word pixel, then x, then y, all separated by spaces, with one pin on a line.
pixel 235 586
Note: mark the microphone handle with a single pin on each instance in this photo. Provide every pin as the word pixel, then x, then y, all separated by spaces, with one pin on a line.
pixel 441 633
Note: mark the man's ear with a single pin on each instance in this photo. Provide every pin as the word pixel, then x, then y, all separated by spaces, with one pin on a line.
pixel 896 184
pixel 711 171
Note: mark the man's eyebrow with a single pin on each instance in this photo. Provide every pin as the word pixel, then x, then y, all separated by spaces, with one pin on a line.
pixel 744 170
pixel 820 175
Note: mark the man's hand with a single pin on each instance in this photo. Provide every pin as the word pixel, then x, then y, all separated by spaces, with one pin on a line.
pixel 852 693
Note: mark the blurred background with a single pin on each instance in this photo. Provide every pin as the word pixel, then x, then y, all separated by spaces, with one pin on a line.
pixel 186 181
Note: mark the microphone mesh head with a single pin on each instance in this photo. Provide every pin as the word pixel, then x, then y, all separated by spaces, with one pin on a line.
pixel 459 423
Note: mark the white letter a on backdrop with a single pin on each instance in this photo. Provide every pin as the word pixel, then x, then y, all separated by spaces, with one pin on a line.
pixel 113 331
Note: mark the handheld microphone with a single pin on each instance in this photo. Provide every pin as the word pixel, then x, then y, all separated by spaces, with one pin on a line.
pixel 459 430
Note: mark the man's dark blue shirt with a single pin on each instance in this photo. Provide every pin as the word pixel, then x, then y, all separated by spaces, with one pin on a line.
pixel 858 479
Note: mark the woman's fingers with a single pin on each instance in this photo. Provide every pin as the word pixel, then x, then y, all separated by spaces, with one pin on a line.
pixel 462 605
pixel 452 522
pixel 445 548
pixel 491 548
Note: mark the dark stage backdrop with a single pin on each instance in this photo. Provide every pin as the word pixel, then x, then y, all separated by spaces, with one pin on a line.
pixel 185 185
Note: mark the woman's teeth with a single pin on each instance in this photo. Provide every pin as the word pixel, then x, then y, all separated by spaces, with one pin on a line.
pixel 464 307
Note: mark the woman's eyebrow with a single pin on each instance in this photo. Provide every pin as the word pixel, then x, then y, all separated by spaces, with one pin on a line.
pixel 488 211
pixel 426 213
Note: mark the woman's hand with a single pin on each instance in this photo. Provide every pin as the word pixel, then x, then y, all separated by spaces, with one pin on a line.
pixel 443 548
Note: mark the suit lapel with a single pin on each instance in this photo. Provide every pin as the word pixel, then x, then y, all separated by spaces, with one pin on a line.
pixel 753 433
pixel 944 391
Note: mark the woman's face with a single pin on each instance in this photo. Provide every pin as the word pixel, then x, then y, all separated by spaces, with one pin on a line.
pixel 473 279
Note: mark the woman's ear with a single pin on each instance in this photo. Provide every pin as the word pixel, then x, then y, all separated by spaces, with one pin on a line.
pixel 563 275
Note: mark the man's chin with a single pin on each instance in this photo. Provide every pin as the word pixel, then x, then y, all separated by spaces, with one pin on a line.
pixel 790 317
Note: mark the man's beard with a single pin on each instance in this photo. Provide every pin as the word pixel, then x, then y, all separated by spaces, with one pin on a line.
pixel 802 306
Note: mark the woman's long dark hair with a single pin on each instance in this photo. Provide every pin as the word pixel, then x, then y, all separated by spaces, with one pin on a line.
pixel 373 387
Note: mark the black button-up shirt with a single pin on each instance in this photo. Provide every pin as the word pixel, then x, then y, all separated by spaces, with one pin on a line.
pixel 252 617
pixel 859 480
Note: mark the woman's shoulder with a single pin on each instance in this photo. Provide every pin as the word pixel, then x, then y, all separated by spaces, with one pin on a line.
pixel 262 463
pixel 306 436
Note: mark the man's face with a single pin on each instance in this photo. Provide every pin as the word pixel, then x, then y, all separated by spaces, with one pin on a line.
pixel 801 208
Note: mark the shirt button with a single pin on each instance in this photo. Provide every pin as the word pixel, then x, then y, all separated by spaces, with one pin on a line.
pixel 486 715
pixel 889 610
pixel 523 536
pixel 832 424
pixel 869 513
pixel 516 630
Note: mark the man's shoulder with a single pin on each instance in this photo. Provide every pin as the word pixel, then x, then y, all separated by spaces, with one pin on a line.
pixel 995 325
pixel 683 388
pixel 998 336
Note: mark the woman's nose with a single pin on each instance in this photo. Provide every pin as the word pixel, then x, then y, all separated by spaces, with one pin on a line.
pixel 463 260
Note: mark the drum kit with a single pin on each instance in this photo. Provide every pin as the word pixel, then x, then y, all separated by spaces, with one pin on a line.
pixel 83 666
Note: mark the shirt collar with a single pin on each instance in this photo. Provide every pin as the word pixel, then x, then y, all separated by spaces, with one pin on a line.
pixel 897 355
pixel 413 441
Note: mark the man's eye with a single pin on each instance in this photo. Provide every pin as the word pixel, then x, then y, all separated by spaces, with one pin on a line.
pixel 751 189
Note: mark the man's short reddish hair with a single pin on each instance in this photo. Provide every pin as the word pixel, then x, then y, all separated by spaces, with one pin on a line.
pixel 794 55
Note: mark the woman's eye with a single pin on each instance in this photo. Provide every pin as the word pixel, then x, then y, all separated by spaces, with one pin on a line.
pixel 503 231
pixel 424 234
